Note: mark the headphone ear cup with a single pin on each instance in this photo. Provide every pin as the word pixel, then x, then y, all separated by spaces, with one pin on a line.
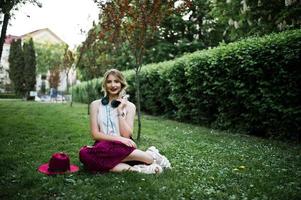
pixel 105 100
pixel 115 103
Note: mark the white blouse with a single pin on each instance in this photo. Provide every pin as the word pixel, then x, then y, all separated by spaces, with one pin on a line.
pixel 107 119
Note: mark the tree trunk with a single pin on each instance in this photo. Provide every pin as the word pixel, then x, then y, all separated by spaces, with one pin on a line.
pixel 138 103
pixel 76 66
pixel 71 100
pixel 67 83
pixel 3 32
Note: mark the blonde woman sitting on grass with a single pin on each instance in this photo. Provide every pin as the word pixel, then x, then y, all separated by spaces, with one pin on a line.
pixel 111 123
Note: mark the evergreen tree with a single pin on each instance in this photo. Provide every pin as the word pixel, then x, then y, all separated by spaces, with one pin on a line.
pixel 16 67
pixel 30 66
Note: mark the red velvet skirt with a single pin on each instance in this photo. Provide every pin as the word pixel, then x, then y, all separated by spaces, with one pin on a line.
pixel 104 155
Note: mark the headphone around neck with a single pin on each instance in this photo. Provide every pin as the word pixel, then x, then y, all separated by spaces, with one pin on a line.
pixel 105 101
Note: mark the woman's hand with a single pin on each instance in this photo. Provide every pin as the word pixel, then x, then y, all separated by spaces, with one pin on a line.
pixel 122 105
pixel 127 142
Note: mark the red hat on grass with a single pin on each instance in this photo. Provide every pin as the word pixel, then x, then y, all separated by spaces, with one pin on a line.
pixel 59 163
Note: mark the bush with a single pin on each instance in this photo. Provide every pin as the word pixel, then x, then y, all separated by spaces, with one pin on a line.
pixel 252 85
pixel 8 96
pixel 87 91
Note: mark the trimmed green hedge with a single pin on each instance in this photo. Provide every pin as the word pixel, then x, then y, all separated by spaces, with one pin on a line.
pixel 87 91
pixel 8 96
pixel 251 85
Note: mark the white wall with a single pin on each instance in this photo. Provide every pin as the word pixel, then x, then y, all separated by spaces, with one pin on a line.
pixel 4 65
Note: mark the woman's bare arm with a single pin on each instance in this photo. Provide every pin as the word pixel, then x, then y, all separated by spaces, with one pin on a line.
pixel 95 131
pixel 126 120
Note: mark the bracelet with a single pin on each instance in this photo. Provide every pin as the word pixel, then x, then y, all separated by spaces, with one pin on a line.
pixel 121 115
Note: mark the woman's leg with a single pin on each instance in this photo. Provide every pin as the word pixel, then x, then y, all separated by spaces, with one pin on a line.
pixel 138 155
pixel 145 169
pixel 142 156
pixel 123 167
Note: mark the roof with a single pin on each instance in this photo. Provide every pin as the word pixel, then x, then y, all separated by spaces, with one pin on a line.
pixel 41 30
pixel 9 39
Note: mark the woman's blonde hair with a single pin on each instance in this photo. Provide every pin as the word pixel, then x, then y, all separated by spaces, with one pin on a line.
pixel 120 78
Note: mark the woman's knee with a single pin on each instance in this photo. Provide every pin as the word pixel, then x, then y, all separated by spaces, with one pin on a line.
pixel 138 155
pixel 121 167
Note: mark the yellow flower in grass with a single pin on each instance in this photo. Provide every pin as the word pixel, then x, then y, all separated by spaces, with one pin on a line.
pixel 242 167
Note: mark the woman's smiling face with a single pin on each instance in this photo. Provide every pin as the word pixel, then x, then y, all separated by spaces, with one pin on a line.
pixel 113 85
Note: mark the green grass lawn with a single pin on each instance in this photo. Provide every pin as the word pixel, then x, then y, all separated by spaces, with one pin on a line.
pixel 207 164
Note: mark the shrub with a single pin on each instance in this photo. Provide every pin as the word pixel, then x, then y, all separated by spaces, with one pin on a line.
pixel 252 85
pixel 8 96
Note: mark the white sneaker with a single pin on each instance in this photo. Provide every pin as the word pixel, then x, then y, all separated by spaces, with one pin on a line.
pixel 159 159
pixel 148 169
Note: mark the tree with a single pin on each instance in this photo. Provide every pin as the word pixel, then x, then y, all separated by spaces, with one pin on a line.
pixel 29 66
pixel 49 59
pixel 93 58
pixel 201 25
pixel 6 8
pixel 133 22
pixel 68 61
pixel 16 67
pixel 181 32
pixel 49 56
pixel 237 19
pixel 54 78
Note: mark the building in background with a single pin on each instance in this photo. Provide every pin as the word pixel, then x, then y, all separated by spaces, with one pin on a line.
pixel 39 36
pixel 4 65
pixel 43 36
